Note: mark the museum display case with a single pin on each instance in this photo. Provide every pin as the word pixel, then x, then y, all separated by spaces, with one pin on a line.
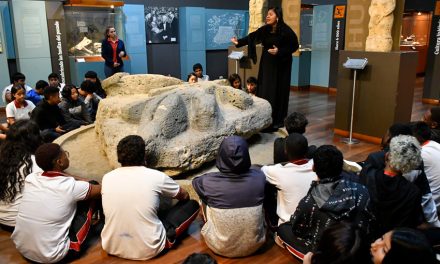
pixel 85 28
pixel 415 35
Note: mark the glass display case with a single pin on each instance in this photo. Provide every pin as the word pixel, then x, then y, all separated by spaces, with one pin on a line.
pixel 85 28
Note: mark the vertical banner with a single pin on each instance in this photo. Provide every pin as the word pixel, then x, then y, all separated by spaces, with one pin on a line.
pixel 58 50
pixel 338 38
pixel 292 16
pixel 432 76
pixel 357 24
pixel 58 41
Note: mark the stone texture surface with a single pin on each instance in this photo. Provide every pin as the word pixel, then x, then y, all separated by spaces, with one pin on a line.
pixel 380 26
pixel 124 84
pixel 257 14
pixel 182 125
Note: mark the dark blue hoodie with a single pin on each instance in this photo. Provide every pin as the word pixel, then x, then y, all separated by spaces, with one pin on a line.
pixel 237 184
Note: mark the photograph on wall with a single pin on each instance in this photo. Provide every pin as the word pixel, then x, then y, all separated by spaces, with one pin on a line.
pixel 162 24
pixel 222 25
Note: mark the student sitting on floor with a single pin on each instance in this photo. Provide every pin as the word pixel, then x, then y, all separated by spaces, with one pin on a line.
pixel 17 160
pixel 55 215
pixel 73 108
pixel 234 201
pixel 416 176
pixel 19 108
pixel 330 199
pixel 37 94
pixel 93 77
pixel 54 80
pixel 396 202
pixel 341 243
pixel 251 85
pixel 17 78
pixel 135 227
pixel 48 115
pixel 90 98
pixel 291 180
pixel 235 81
pixel 192 78
pixel 432 118
pixel 294 123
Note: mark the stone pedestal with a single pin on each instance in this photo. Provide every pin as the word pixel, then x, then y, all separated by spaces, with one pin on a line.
pixel 384 93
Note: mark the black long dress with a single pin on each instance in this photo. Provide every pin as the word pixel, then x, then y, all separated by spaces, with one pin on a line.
pixel 274 71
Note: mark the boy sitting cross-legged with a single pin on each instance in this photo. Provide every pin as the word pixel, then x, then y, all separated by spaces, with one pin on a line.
pixel 136 227
pixel 54 216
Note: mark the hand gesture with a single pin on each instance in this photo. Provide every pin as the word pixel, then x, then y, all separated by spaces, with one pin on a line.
pixel 234 40
pixel 308 258
pixel 273 51
pixel 58 129
pixel 121 54
pixel 115 64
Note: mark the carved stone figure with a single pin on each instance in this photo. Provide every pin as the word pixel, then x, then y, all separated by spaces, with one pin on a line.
pixel 380 26
pixel 257 13
pixel 182 124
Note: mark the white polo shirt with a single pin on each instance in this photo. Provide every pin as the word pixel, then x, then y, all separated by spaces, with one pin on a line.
pixel 293 182
pixel 45 214
pixel 431 162
pixel 130 198
pixel 20 113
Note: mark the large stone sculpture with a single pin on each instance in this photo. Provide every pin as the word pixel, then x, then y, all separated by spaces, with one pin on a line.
pixel 182 124
pixel 380 26
pixel 257 14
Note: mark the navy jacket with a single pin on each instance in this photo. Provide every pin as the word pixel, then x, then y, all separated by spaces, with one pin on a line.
pixel 237 184
pixel 107 52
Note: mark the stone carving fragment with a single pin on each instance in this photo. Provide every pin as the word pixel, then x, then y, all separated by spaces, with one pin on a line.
pixel 380 26
pixel 182 124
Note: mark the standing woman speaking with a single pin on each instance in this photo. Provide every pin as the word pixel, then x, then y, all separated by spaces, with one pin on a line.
pixel 279 42
pixel 112 50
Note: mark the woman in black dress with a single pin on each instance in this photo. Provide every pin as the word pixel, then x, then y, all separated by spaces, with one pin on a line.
pixel 279 42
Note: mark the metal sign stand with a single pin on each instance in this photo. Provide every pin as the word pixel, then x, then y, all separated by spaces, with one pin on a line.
pixel 355 65
pixel 236 55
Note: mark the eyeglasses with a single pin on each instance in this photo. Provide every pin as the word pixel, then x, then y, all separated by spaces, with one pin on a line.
pixel 67 153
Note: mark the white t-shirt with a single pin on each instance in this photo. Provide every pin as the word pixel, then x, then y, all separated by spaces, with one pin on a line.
pixel 8 89
pixel 130 198
pixel 45 214
pixel 293 182
pixel 8 211
pixel 22 113
pixel 431 161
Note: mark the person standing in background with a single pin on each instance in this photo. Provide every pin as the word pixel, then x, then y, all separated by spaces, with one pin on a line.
pixel 113 49
pixel 279 42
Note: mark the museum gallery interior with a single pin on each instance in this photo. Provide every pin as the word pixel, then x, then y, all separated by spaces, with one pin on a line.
pixel 247 131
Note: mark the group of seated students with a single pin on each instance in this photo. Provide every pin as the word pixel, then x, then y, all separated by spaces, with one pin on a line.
pixel 387 212
pixel 53 115
pixel 234 79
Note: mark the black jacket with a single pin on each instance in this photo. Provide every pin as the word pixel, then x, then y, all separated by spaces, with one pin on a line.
pixel 48 116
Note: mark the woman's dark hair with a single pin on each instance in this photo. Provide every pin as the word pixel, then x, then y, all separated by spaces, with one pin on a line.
pixel 233 77
pixel 341 243
pixel 131 151
pixel 22 139
pixel 189 76
pixel 88 86
pixel 409 246
pixel 198 258
pixel 15 89
pixel 66 93
pixel 328 162
pixel 107 30
pixel 279 13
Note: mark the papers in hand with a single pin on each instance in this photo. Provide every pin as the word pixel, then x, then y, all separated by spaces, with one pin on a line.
pixel 236 55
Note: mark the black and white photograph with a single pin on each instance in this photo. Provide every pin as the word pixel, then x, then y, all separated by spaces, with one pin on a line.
pixel 162 24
